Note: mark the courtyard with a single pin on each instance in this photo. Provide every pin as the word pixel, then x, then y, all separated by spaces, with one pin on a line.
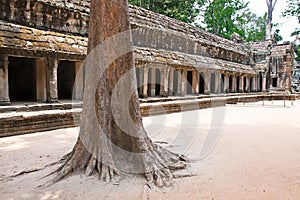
pixel 242 151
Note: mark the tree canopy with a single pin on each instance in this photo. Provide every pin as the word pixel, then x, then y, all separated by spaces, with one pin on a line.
pixel 225 17
pixel 221 17
pixel 185 11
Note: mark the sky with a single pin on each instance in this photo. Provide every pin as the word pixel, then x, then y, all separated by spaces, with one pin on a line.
pixel 286 24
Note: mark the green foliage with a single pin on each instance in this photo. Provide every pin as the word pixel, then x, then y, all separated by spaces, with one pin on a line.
pixel 225 17
pixel 184 10
pixel 293 9
pixel 277 36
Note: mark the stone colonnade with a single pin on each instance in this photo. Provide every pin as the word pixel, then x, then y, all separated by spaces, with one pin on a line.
pixel 46 79
pixel 157 80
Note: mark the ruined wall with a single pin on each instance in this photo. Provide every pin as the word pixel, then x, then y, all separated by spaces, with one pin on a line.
pixel 282 58
pixel 47 15
pixel 152 30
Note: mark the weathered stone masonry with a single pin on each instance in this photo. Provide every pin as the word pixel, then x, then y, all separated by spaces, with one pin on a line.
pixel 43 44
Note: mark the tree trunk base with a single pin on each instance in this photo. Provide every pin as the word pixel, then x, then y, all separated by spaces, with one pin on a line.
pixel 159 165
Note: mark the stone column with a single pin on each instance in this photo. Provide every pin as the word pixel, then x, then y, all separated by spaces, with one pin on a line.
pixel 247 83
pixel 241 89
pixel 179 86
pixel 234 89
pixel 226 83
pixel 171 81
pixel 79 81
pixel 195 85
pixel 153 81
pixel 258 83
pixel 217 82
pixel 254 84
pixel 164 74
pixel 52 94
pixel 207 83
pixel 41 79
pixel 145 82
pixel 4 87
pixel 184 82
pixel 264 82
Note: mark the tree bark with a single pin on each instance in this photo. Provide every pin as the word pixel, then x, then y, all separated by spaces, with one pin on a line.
pixel 271 7
pixel 112 139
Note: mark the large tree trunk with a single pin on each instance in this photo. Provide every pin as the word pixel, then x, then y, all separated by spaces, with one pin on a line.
pixel 271 7
pixel 112 139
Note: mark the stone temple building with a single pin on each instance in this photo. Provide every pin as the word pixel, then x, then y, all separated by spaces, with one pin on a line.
pixel 43 44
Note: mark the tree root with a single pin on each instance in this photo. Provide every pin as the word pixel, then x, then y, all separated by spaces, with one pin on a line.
pixel 158 163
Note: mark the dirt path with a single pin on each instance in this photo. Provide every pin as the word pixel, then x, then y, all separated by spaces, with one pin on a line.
pixel 257 156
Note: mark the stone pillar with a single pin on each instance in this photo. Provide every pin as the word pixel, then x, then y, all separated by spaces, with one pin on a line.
pixel 179 86
pixel 234 89
pixel 207 83
pixel 164 75
pixel 264 82
pixel 184 82
pixel 226 83
pixel 145 81
pixel 41 79
pixel 79 81
pixel 153 81
pixel 195 85
pixel 258 83
pixel 52 94
pixel 4 87
pixel 241 89
pixel 247 83
pixel 217 82
pixel 254 84
pixel 171 81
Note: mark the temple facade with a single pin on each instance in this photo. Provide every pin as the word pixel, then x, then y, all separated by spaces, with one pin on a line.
pixel 43 45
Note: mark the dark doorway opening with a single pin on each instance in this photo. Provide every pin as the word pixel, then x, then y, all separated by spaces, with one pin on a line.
pixel 201 83
pixel 245 84
pixel 238 84
pixel 22 79
pixel 274 82
pixel 175 83
pixel 251 84
pixel 212 83
pixel 222 83
pixel 157 82
pixel 66 74
pixel 260 82
pixel 189 82
pixel 149 82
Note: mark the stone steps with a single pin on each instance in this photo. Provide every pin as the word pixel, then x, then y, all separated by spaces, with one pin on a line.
pixel 24 119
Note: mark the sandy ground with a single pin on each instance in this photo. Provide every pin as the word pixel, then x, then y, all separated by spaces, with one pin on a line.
pixel 255 155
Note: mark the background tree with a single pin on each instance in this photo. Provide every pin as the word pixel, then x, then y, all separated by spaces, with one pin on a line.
pixel 185 11
pixel 271 5
pixel 225 17
pixel 112 139
pixel 293 10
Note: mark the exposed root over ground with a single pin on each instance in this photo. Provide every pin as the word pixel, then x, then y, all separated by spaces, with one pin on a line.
pixel 158 165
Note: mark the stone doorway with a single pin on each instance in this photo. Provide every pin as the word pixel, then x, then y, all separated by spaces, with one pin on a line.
pixel 212 83
pixel 189 82
pixel 238 84
pixel 175 83
pixel 222 83
pixel 274 82
pixel 157 82
pixel 22 79
pixel 201 83
pixel 66 74
pixel 245 84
